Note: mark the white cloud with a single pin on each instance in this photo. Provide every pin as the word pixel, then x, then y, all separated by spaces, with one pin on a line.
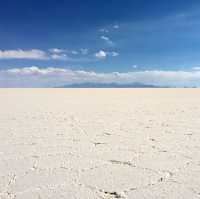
pixel 50 54
pixel 107 40
pixel 82 51
pixel 101 54
pixel 51 77
pixel 56 50
pixel 23 54
pixel 34 70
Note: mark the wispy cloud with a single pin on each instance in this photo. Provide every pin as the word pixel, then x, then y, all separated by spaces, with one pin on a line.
pixel 104 30
pixel 53 76
pixel 74 52
pixel 84 51
pixel 196 68
pixel 107 40
pixel 114 54
pixel 109 28
pixel 59 57
pixel 34 70
pixel 57 50
pixel 50 54
pixel 135 66
pixel 116 26
pixel 23 54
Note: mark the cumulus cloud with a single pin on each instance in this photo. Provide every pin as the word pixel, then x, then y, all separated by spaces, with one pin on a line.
pixel 101 54
pixel 23 54
pixel 52 77
pixel 107 40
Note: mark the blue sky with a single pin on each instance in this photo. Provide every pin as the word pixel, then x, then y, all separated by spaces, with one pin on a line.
pixel 113 40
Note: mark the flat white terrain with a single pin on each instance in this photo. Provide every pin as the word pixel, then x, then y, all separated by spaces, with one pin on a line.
pixel 99 143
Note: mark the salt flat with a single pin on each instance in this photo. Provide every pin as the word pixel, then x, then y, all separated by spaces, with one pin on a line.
pixel 99 143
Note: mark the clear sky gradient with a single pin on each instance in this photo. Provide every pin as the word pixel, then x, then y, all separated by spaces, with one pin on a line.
pixel 108 40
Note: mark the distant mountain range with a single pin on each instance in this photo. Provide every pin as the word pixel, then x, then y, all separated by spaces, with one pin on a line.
pixel 108 85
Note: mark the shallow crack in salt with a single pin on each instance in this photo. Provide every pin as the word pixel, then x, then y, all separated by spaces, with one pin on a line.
pixel 115 194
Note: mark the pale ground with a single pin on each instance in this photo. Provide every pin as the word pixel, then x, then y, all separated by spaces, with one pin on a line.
pixel 99 143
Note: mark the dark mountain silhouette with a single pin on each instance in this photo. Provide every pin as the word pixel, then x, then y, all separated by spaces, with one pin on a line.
pixel 108 85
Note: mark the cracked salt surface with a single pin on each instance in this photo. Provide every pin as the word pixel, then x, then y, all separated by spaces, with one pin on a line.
pixel 99 143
